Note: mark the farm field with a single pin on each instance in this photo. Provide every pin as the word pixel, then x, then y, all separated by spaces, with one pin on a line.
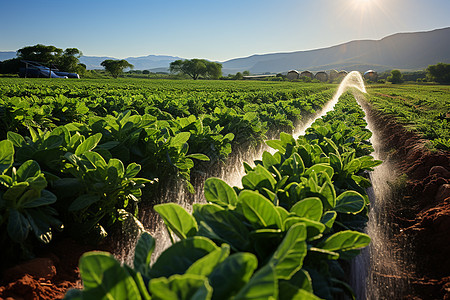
pixel 422 109
pixel 49 104
pixel 77 147
pixel 85 154
pixel 412 122
pixel 299 209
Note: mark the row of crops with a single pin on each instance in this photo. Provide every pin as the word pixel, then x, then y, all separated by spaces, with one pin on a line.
pixel 284 235
pixel 47 105
pixel 77 157
pixel 423 109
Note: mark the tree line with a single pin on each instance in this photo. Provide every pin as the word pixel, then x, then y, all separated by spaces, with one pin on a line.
pixel 439 73
pixel 65 60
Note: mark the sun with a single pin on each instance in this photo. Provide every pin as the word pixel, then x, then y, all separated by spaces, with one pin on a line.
pixel 362 4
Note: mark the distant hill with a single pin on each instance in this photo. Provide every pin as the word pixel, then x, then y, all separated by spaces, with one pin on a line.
pixel 4 55
pixel 405 51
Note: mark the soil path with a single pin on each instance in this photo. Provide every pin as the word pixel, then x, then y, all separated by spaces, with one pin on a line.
pixel 422 217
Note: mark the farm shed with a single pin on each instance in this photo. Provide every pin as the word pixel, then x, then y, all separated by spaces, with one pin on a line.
pixel 333 75
pixel 371 75
pixel 321 76
pixel 307 74
pixel 293 74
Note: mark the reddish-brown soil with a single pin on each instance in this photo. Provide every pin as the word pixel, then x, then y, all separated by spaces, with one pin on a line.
pixel 423 215
pixel 47 277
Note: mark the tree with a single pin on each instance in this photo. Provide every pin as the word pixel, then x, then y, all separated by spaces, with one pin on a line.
pixel 246 73
pixel 439 73
pixel 238 76
pixel 396 77
pixel 197 68
pixel 40 53
pixel 213 70
pixel 67 60
pixel 116 67
pixel 10 66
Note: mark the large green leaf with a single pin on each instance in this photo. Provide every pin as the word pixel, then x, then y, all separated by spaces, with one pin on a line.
pixel 143 253
pixel 300 165
pixel 96 160
pixel 314 229
pixel 259 178
pixel 219 192
pixel 232 274
pixel 269 160
pixel 18 226
pixel 287 139
pixel 116 164
pixel 15 138
pixel 16 191
pixel 52 142
pixel 336 162
pixel 181 287
pixel 38 182
pixel 198 156
pixel 205 265
pixel 317 168
pixel 180 256
pixel 139 280
pixel 218 223
pixel 353 166
pixel 63 132
pixel 177 219
pixel 262 285
pixel 6 155
pixel 328 195
pixel 260 211
pixel 349 202
pixel 46 198
pixel 180 139
pixel 345 241
pixel 277 145
pixel 301 280
pixel 288 258
pixel 284 214
pixel 30 168
pixel 6 180
pixel 88 144
pixel 104 278
pixel 83 201
pixel 368 163
pixel 328 219
pixel 310 208
pixel 292 292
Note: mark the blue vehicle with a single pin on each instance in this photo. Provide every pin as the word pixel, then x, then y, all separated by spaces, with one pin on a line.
pixel 36 70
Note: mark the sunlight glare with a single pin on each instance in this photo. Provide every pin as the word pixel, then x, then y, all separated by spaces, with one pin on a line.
pixel 362 4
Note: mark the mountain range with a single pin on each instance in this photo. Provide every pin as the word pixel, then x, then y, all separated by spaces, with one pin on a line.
pixel 404 51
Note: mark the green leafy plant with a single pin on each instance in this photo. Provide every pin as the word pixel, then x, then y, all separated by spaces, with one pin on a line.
pixel 103 189
pixel 25 204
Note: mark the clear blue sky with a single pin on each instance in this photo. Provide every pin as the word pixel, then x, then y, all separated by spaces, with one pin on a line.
pixel 216 30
